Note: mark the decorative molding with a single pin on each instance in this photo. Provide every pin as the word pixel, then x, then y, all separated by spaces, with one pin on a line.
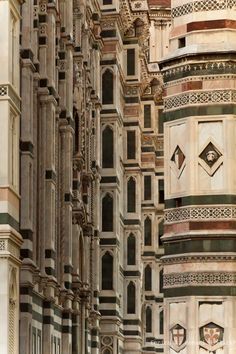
pixel 199 6
pixel 198 258
pixel 7 90
pixel 199 213
pixel 200 97
pixel 198 279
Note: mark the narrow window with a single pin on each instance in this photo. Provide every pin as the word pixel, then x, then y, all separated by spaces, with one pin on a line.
pixel 160 121
pixel 107 148
pixel 131 146
pixel 107 271
pixel 147 232
pixel 161 281
pixel 107 87
pixel 161 191
pixel 147 187
pixel 148 278
pixel 160 231
pixel 131 246
pixel 131 191
pixel 148 319
pixel 161 324
pixel 131 298
pixel 147 116
pixel 131 61
pixel 107 213
pixel 107 2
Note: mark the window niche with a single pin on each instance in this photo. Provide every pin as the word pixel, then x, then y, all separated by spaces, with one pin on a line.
pixel 131 195
pixel 131 250
pixel 147 231
pixel 107 148
pixel 131 144
pixel 107 87
pixel 147 187
pixel 107 271
pixel 148 278
pixel 131 297
pixel 148 319
pixel 107 213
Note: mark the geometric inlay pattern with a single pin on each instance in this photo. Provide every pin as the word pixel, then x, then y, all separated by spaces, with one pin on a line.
pixel 210 154
pixel 203 5
pixel 3 90
pixel 199 213
pixel 173 280
pixel 206 97
pixel 178 157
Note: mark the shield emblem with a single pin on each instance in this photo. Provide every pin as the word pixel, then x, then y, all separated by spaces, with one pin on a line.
pixel 211 335
pixel 178 335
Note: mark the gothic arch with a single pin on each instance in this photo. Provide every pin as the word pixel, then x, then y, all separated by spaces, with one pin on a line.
pixel 107 147
pixel 131 195
pixel 107 212
pixel 108 86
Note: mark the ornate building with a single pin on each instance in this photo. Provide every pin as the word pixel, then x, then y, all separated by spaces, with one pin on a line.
pixel 86 88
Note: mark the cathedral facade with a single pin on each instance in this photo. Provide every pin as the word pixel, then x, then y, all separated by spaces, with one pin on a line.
pixel 95 257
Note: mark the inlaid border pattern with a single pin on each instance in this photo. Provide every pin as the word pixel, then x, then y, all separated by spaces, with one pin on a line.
pixel 197 279
pixel 202 97
pixel 199 213
pixel 203 5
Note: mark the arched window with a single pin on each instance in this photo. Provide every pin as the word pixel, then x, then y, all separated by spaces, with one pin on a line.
pixel 148 278
pixel 131 195
pixel 107 271
pixel 107 148
pixel 148 319
pixel 106 351
pixel 131 298
pixel 107 213
pixel 107 87
pixel 147 232
pixel 131 248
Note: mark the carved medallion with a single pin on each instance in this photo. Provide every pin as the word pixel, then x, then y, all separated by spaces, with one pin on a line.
pixel 210 158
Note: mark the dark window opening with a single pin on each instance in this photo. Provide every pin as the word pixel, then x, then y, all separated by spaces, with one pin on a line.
pixel 161 191
pixel 160 121
pixel 161 323
pixel 131 146
pixel 147 116
pixel 161 281
pixel 107 148
pixel 131 195
pixel 131 297
pixel 107 87
pixel 148 278
pixel 131 248
pixel 107 271
pixel 107 213
pixel 182 42
pixel 148 319
pixel 147 187
pixel 147 232
pixel 131 61
pixel 107 2
pixel 160 231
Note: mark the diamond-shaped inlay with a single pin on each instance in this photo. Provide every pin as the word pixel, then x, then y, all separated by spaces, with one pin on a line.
pixel 210 154
pixel 178 157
